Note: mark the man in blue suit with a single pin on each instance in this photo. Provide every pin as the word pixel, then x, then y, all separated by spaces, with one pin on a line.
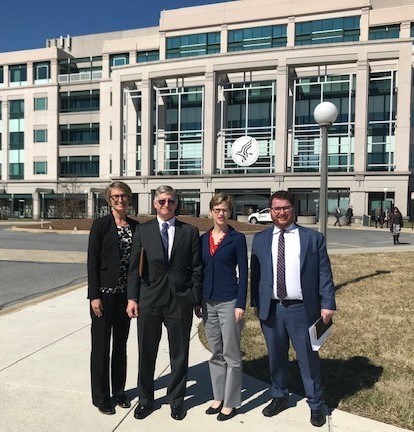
pixel 291 287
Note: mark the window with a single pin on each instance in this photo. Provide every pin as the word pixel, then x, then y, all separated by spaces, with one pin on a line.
pixel 18 74
pixel 332 30
pixel 79 101
pixel 40 103
pixel 16 140
pixel 40 135
pixel 79 166
pixel 257 38
pixel 40 167
pixel 119 59
pixel 16 171
pixel 384 32
pixel 41 72
pixel 193 45
pixel 1 75
pixel 16 109
pixel 148 56
pixel 77 134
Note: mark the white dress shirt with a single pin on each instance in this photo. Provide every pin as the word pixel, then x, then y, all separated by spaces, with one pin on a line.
pixel 171 232
pixel 292 262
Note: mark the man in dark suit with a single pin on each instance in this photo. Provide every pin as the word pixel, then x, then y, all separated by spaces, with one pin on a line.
pixel 291 287
pixel 165 293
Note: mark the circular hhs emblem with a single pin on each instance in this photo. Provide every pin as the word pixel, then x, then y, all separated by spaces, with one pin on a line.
pixel 245 151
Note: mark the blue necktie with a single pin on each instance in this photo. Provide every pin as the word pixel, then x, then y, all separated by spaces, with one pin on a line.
pixel 164 238
pixel 281 282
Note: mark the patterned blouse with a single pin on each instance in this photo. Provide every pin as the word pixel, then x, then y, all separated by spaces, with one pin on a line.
pixel 125 246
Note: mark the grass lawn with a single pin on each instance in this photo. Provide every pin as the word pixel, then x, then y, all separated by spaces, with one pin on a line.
pixel 368 361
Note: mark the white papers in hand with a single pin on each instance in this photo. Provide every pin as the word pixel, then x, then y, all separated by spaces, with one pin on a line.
pixel 319 332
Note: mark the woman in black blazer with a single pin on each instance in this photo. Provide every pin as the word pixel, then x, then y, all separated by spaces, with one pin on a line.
pixel 224 253
pixel 109 249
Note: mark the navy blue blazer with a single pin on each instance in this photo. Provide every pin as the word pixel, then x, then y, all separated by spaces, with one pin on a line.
pixel 104 254
pixel 220 280
pixel 315 273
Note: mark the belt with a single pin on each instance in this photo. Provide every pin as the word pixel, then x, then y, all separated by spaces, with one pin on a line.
pixel 287 303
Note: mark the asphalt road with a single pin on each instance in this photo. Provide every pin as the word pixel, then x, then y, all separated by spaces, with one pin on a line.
pixel 23 280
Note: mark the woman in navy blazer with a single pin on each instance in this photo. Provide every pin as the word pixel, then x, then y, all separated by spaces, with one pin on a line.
pixel 224 255
pixel 110 242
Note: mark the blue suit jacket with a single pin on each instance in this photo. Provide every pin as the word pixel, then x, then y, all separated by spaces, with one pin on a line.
pixel 220 280
pixel 315 273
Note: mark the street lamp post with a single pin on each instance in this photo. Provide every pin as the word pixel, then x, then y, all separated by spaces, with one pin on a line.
pixel 324 114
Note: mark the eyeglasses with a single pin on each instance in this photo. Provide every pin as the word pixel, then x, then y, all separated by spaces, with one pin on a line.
pixel 123 197
pixel 162 202
pixel 287 209
pixel 218 211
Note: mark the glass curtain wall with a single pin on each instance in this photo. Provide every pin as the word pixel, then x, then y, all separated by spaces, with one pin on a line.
pixel 247 109
pixel 179 131
pixel 382 110
pixel 306 149
pixel 132 130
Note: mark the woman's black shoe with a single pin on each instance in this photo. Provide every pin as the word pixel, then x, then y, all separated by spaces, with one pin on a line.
pixel 224 417
pixel 212 410
pixel 122 401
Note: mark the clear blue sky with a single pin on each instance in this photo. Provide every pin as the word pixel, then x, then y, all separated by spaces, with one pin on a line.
pixel 26 24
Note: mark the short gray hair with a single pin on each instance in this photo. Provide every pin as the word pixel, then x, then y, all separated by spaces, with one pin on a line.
pixel 164 189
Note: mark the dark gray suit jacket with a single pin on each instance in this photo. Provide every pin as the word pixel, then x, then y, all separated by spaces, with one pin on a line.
pixel 180 277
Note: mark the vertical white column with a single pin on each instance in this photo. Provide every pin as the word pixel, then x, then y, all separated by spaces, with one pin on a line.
pixel 224 38
pixel 281 117
pixel 361 115
pixel 146 138
pixel 402 138
pixel 209 143
pixel 364 25
pixel 291 32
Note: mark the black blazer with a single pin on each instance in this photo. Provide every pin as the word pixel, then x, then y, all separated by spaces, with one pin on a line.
pixel 104 254
pixel 180 277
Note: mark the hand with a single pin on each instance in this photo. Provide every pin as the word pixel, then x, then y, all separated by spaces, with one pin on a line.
pixel 198 311
pixel 132 309
pixel 238 314
pixel 326 315
pixel 97 307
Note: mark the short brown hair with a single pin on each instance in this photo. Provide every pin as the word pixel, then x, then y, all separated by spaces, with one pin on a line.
pixel 117 185
pixel 220 198
pixel 282 195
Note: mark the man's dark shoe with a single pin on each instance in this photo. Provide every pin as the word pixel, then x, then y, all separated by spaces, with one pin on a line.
pixel 178 412
pixel 318 417
pixel 275 407
pixel 106 408
pixel 142 411
pixel 122 401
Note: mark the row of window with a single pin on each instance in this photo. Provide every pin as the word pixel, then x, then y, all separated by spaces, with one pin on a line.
pixel 69 166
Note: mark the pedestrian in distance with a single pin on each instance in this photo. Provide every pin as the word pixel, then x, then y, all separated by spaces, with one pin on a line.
pixel 224 256
pixel 291 288
pixel 337 216
pixel 164 285
pixel 349 215
pixel 109 248
pixel 396 223
pixel 378 217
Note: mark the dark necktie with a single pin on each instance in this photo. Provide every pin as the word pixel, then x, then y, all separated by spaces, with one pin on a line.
pixel 164 238
pixel 281 282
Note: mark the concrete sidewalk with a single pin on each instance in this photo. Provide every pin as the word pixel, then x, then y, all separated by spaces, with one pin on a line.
pixel 44 382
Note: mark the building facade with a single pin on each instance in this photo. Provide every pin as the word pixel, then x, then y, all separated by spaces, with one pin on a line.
pixel 163 105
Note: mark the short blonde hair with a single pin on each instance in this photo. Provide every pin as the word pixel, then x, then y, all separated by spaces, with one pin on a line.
pixel 220 198
pixel 117 185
